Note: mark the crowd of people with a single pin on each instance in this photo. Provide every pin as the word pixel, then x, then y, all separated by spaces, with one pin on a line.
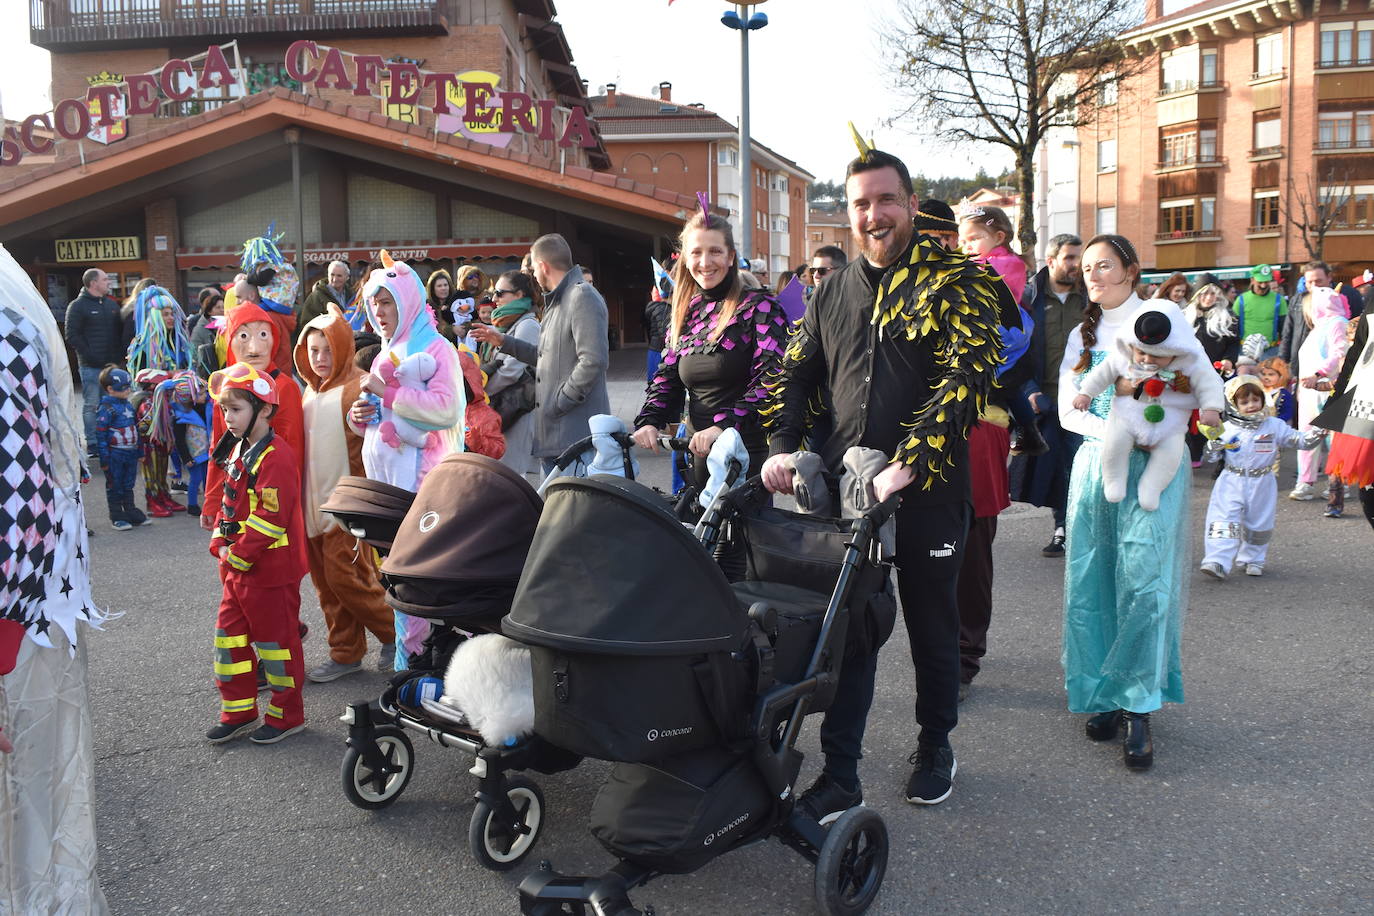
pixel 1075 388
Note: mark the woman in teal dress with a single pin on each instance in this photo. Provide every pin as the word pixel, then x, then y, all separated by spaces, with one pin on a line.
pixel 1126 579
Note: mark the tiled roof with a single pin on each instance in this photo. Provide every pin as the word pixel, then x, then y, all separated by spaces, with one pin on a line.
pixel 287 106
pixel 712 124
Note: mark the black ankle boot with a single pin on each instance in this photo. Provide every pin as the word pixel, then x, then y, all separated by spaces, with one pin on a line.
pixel 1137 748
pixel 1102 727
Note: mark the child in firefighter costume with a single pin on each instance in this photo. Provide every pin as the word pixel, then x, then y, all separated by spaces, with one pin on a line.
pixel 1240 515
pixel 252 339
pixel 259 540
pixel 430 401
pixel 343 570
pixel 1159 374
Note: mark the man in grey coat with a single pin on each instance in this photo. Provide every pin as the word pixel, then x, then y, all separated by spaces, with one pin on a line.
pixel 570 359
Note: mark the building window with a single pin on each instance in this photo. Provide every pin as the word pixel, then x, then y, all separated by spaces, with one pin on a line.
pixel 1177 216
pixel 1345 44
pixel 1269 54
pixel 1345 129
pixel 1106 155
pixel 728 155
pixel 1266 210
pixel 1208 76
pixel 1107 90
pixel 1207 214
pixel 780 224
pixel 1268 134
pixel 1180 69
pixel 760 178
pixel 1106 220
pixel 1188 146
pixel 760 219
pixel 780 183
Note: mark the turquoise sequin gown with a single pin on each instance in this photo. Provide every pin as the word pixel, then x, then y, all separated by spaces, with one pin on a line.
pixel 1125 585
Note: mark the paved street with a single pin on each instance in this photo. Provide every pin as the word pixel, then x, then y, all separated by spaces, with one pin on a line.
pixel 1259 801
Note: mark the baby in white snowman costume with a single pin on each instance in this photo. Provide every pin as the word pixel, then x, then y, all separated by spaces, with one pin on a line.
pixel 1161 374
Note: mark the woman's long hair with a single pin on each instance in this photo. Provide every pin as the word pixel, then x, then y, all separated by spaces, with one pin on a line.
pixel 1218 321
pixel 685 287
pixel 1092 313
pixel 1175 279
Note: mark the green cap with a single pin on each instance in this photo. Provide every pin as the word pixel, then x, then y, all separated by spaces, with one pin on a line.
pixel 1262 272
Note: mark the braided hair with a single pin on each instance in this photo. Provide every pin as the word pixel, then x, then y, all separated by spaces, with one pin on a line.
pixel 1092 313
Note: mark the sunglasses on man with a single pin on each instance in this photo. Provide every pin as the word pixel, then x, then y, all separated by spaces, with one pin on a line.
pixel 819 271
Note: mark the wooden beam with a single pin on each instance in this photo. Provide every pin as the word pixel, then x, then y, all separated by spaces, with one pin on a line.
pixel 1243 23
pixel 1222 28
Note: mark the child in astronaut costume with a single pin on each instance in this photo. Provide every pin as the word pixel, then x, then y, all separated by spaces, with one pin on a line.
pixel 1160 374
pixel 1240 515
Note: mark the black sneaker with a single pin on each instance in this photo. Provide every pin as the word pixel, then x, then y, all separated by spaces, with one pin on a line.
pixel 228 731
pixel 826 800
pixel 270 734
pixel 932 780
pixel 1055 548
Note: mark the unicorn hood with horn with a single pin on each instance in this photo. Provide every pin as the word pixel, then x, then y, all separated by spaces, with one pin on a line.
pixel 432 402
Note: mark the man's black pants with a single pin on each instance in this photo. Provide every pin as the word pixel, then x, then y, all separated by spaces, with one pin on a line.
pixel 930 549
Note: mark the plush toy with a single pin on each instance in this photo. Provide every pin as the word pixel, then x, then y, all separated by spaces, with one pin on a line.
pixel 413 372
pixel 490 680
pixel 1161 374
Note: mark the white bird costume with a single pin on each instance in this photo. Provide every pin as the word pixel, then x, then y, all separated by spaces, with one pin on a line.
pixel 1240 515
pixel 1156 411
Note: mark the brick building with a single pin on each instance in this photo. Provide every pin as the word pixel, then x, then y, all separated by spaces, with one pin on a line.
pixel 1248 115
pixel 337 165
pixel 688 148
pixel 828 227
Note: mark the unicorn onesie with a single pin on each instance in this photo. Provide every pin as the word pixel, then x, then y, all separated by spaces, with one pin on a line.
pixel 435 404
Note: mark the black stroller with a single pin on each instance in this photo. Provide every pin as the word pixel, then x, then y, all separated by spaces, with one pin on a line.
pixel 645 655
pixel 454 559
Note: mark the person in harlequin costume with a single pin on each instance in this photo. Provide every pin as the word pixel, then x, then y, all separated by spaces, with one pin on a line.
pixel 1240 514
pixel 259 540
pixel 904 341
pixel 433 403
pixel 1158 378
pixel 1349 413
pixel 47 781
pixel 343 570
pixel 252 340
pixel 724 342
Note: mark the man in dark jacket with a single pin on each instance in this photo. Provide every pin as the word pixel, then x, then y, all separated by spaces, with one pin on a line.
pixel 335 286
pixel 1057 308
pixel 905 340
pixel 657 315
pixel 96 331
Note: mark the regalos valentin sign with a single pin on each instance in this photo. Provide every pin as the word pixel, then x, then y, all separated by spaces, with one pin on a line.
pixel 466 102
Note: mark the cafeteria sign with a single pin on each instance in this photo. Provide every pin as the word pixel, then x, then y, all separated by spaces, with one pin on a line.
pixel 124 248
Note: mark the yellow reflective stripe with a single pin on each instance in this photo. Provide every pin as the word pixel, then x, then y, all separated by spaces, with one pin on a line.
pixel 238 705
pixel 275 711
pixel 275 655
pixel 264 527
pixel 277 680
pixel 234 667
pixel 239 564
pixel 231 642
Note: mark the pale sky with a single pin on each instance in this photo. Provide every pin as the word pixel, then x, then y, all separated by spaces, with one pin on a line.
pixel 815 66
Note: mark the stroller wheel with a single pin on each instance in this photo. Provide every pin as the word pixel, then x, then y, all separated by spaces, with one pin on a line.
pixel 500 839
pixel 851 865
pixel 373 787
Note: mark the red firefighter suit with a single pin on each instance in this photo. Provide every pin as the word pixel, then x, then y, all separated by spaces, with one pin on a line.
pixel 259 520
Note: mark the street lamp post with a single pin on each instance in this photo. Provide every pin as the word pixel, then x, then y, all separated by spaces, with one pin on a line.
pixel 742 19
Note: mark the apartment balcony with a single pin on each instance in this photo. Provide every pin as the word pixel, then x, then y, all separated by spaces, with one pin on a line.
pixel 1188 235
pixel 1266 229
pixel 1184 87
pixel 82 25
pixel 1345 146
pixel 1266 152
pixel 1179 163
pixel 1345 64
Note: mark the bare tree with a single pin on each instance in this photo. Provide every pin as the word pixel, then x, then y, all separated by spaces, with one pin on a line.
pixel 1005 73
pixel 1317 205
